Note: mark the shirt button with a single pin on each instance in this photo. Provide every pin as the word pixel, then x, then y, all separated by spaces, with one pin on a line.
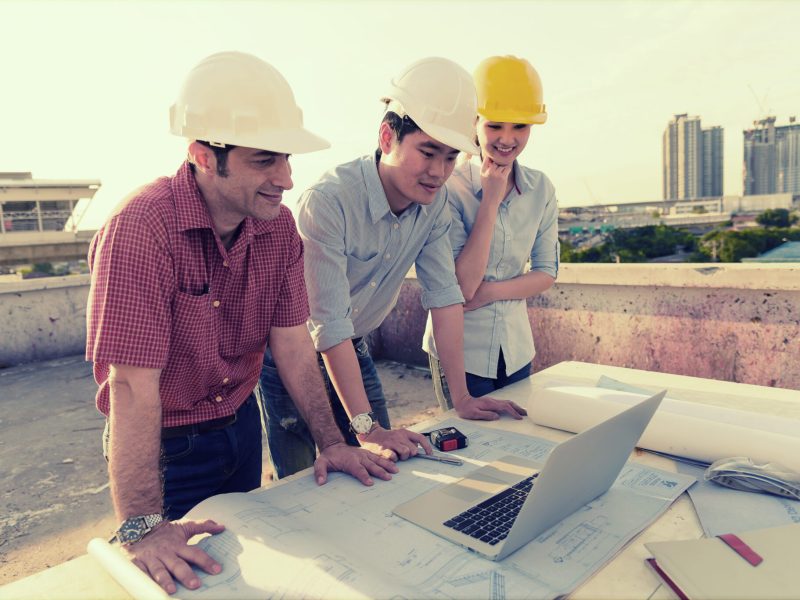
pixel 372 284
pixel 396 226
pixel 218 398
pixel 225 263
pixel 216 303
pixel 388 256
pixel 355 310
pixel 226 380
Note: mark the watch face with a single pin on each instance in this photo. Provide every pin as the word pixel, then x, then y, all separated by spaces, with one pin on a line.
pixel 132 530
pixel 361 423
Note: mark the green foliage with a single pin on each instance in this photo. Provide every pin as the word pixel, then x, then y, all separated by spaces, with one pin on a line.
pixel 45 268
pixel 733 246
pixel 634 245
pixel 776 217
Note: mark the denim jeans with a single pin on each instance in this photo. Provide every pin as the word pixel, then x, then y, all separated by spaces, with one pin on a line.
pixel 476 385
pixel 291 445
pixel 196 467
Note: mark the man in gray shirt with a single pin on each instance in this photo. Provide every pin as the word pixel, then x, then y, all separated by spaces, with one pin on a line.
pixel 364 224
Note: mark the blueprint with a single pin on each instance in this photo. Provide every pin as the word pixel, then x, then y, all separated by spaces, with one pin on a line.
pixel 724 510
pixel 341 540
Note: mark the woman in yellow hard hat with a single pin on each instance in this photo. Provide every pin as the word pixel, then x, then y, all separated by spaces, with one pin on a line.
pixel 503 214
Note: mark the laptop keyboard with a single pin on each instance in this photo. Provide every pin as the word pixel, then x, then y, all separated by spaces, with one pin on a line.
pixel 491 520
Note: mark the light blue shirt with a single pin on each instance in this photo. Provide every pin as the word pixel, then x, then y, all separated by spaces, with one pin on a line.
pixel 358 252
pixel 526 228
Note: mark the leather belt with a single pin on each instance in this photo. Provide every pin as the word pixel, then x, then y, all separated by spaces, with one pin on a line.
pixel 196 428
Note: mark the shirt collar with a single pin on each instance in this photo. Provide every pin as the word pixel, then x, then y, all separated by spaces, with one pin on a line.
pixel 191 209
pixel 376 195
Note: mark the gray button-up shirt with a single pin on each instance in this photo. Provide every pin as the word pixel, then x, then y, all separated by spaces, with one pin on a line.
pixel 526 228
pixel 357 252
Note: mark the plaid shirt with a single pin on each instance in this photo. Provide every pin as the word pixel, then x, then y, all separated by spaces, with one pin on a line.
pixel 166 294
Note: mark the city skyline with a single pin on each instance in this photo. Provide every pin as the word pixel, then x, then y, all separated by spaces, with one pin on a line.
pixel 89 83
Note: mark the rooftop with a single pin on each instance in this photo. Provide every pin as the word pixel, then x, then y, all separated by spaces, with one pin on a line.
pixel 786 252
pixel 54 486
pixel 731 322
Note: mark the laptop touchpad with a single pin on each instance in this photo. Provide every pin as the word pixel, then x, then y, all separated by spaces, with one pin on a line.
pixel 475 486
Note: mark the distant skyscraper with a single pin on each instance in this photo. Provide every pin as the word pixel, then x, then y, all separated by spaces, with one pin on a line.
pixel 712 161
pixel 692 159
pixel 772 158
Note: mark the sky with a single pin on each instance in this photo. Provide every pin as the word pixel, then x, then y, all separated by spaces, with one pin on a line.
pixel 87 85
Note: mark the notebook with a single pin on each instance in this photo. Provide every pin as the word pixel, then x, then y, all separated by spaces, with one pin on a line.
pixel 754 564
pixel 512 501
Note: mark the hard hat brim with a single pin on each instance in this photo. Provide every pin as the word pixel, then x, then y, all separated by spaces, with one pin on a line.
pixel 449 137
pixel 512 116
pixel 294 141
pixel 284 141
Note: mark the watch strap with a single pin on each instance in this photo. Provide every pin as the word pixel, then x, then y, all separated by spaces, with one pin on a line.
pixel 133 529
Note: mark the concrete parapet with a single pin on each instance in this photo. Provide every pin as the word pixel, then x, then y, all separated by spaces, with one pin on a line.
pixel 735 322
pixel 42 318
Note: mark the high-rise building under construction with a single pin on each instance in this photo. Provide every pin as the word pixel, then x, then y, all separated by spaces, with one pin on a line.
pixel 772 157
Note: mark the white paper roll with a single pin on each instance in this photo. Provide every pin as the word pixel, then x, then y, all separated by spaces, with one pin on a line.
pixel 124 572
pixel 699 432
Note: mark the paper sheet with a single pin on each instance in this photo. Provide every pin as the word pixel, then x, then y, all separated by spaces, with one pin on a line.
pixel 696 431
pixel 341 540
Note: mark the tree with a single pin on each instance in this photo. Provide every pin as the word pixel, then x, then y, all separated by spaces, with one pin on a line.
pixel 776 217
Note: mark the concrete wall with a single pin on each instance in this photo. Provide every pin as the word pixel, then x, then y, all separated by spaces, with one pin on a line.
pixel 737 322
pixel 42 319
pixel 734 322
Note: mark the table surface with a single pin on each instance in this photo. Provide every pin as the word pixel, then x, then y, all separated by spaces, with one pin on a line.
pixel 626 576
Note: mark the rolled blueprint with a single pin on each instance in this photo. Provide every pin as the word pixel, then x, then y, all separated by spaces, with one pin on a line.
pixel 124 572
pixel 686 429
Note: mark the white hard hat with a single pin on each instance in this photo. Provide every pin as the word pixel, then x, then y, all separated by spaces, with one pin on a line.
pixel 238 99
pixel 440 97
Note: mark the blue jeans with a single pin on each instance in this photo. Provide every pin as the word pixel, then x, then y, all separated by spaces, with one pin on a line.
pixel 291 445
pixel 476 385
pixel 198 466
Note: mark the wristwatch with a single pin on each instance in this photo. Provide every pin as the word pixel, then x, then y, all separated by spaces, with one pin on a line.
pixel 134 529
pixel 363 423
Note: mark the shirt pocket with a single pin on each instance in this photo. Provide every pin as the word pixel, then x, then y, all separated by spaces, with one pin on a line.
pixel 193 335
pixel 360 272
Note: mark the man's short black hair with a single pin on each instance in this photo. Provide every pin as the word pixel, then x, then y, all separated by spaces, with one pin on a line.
pixel 401 126
pixel 221 154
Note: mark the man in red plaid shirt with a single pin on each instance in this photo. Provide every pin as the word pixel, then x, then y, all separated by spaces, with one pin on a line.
pixel 192 277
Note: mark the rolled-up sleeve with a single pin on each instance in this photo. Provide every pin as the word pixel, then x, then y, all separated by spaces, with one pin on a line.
pixel 321 224
pixel 436 270
pixel 546 247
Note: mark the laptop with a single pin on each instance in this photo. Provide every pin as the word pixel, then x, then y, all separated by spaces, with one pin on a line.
pixel 502 506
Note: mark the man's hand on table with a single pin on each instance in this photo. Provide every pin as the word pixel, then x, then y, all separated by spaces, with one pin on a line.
pixel 487 408
pixel 394 444
pixel 164 553
pixel 358 462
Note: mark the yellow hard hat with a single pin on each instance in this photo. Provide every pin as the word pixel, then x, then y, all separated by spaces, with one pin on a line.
pixel 509 91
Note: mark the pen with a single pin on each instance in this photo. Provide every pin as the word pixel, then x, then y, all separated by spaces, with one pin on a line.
pixel 438 457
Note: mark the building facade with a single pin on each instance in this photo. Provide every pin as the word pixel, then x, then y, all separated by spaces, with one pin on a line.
pixel 692 159
pixel 772 158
